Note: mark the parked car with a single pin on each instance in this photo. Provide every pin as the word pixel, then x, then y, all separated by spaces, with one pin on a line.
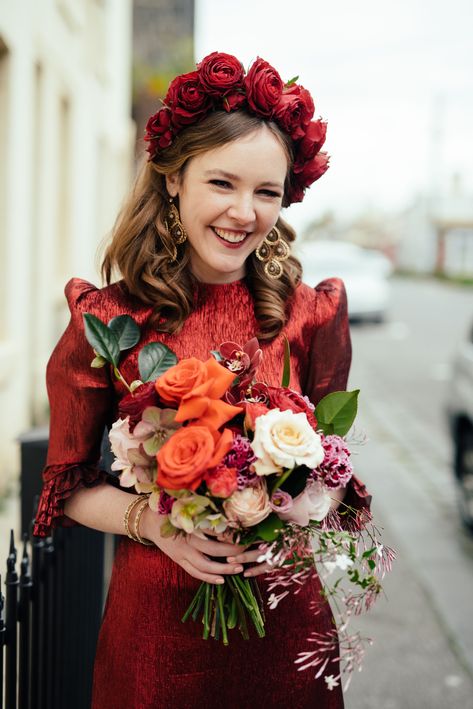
pixel 459 408
pixel 364 271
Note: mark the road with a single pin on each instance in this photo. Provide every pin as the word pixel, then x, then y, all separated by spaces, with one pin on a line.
pixel 422 655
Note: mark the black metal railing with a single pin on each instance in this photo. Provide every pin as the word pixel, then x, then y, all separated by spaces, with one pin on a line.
pixel 50 616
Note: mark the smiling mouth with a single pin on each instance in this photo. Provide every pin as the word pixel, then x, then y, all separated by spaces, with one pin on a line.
pixel 231 237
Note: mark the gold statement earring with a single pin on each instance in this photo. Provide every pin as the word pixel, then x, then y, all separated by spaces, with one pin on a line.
pixel 272 251
pixel 174 227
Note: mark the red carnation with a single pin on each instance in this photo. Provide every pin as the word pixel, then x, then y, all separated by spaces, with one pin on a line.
pixel 288 400
pixel 188 99
pixel 294 111
pixel 220 73
pixel 264 87
pixel 158 131
pixel 133 405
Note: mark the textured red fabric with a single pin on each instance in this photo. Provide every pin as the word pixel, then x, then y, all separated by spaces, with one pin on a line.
pixel 145 657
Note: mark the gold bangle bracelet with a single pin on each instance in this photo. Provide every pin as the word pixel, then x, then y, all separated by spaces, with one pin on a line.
pixel 140 511
pixel 126 517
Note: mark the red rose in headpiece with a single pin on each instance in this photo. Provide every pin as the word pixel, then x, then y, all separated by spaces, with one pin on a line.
pixel 307 173
pixel 187 99
pixel 294 111
pixel 264 87
pixel 233 101
pixel 158 131
pixel 220 73
pixel 133 405
pixel 286 399
pixel 312 141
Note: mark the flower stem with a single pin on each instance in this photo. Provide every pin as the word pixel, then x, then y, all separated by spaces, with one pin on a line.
pixel 281 480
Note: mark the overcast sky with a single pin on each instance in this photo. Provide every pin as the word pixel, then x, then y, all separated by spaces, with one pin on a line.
pixel 393 78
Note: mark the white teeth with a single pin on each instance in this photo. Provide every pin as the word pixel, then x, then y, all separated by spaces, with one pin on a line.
pixel 231 236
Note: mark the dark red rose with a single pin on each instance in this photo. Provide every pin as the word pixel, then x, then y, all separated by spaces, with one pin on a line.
pixel 233 101
pixel 220 73
pixel 133 405
pixel 158 131
pixel 310 171
pixel 187 99
pixel 294 111
pixel 288 400
pixel 264 87
pixel 312 141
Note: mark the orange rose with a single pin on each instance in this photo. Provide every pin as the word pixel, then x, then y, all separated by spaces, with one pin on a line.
pixel 204 401
pixel 181 379
pixel 185 457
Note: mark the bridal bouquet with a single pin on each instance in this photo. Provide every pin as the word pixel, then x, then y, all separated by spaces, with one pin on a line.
pixel 219 452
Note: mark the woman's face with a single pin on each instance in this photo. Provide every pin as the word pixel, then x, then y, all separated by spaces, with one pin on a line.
pixel 229 199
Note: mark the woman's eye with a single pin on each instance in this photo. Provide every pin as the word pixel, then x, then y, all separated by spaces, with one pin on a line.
pixel 270 193
pixel 220 183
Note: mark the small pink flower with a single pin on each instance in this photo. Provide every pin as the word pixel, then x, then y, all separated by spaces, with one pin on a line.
pixel 336 469
pixel 281 501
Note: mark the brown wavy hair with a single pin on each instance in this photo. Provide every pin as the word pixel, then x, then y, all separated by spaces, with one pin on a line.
pixel 141 249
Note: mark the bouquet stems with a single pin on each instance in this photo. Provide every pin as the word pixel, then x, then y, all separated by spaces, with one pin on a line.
pixel 223 607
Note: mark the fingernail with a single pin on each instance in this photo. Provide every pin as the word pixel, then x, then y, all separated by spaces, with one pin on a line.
pixel 231 559
pixel 238 569
pixel 247 574
pixel 219 580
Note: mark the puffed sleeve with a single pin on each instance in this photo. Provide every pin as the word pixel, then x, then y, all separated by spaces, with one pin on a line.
pixel 81 400
pixel 329 366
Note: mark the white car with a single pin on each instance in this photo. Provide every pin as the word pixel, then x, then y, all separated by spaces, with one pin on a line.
pixel 459 409
pixel 364 271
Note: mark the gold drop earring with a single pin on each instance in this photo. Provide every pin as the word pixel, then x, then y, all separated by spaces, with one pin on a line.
pixel 174 227
pixel 272 251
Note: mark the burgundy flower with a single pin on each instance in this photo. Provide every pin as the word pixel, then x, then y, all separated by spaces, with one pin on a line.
pixel 306 174
pixel 158 131
pixel 244 361
pixel 165 503
pixel 336 469
pixel 294 111
pixel 264 87
pixel 286 399
pixel 133 405
pixel 188 100
pixel 220 73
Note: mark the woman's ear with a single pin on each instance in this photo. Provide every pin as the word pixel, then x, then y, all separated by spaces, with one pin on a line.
pixel 172 183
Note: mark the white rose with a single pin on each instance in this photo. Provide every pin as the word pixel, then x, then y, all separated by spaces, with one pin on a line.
pixel 284 439
pixel 248 506
pixel 313 503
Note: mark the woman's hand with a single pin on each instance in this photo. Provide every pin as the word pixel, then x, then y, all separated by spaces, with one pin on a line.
pixel 251 557
pixel 191 552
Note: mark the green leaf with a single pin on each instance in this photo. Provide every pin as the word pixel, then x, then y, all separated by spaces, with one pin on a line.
pixel 126 330
pixel 286 375
pixel 155 359
pixel 101 338
pixel 291 81
pixel 336 412
pixel 269 528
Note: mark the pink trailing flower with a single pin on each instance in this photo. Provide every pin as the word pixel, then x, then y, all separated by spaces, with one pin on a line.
pixel 336 469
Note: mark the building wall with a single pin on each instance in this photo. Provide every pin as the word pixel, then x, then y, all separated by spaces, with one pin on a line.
pixel 66 146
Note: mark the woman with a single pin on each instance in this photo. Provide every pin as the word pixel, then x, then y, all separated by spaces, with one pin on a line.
pixel 203 255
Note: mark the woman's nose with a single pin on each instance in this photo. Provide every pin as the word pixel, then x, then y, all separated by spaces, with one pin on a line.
pixel 242 209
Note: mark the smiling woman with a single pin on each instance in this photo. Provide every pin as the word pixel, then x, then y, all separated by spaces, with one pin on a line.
pixel 203 258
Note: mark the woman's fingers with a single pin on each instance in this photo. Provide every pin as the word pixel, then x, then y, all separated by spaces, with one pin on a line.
pixel 246 557
pixel 214 548
pixel 201 575
pixel 258 570
pixel 203 563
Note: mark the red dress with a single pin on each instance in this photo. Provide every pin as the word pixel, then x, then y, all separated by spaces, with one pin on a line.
pixel 146 658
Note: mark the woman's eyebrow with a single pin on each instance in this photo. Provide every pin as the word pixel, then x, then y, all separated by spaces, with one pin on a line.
pixel 235 178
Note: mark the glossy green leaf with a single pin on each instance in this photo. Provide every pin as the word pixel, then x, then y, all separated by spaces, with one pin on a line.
pixel 155 359
pixel 101 338
pixel 291 81
pixel 336 412
pixel 269 528
pixel 286 375
pixel 126 331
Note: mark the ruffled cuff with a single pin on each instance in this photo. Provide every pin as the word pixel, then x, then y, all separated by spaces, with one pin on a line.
pixel 60 482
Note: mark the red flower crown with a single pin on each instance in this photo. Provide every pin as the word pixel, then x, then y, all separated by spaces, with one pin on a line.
pixel 220 83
